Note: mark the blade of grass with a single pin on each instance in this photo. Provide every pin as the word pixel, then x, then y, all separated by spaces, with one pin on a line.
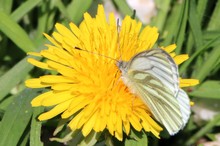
pixel 186 64
pixel 77 8
pixel 43 21
pixel 137 139
pixel 214 56
pixel 182 26
pixel 208 65
pixel 6 6
pixel 214 21
pixel 35 133
pixel 209 35
pixel 194 22
pixel 24 9
pixel 209 89
pixel 201 7
pixel 14 75
pixel 16 118
pixel 12 30
pixel 171 24
pixel 24 140
pixel 204 130
pixel 212 35
pixel 59 4
pixel 4 103
pixel 160 19
pixel 123 7
pixel 91 139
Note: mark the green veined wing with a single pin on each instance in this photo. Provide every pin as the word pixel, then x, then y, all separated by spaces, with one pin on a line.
pixel 153 76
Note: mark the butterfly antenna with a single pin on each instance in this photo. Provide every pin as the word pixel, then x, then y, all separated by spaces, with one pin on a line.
pixel 134 14
pixel 118 41
pixel 77 48
pixel 116 82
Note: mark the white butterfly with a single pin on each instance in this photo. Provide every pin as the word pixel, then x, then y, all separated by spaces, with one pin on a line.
pixel 153 76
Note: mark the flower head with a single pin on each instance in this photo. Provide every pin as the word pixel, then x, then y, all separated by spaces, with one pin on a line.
pixel 87 87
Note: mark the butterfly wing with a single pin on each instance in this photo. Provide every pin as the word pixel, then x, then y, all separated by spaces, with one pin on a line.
pixel 153 76
pixel 184 103
pixel 159 64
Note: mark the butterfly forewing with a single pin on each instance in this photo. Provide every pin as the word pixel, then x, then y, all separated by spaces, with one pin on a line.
pixel 158 63
pixel 153 76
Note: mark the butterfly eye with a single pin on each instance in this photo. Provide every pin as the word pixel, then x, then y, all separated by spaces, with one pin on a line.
pixel 118 63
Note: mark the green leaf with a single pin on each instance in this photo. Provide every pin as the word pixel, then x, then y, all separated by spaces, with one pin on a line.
pixel 24 9
pixel 194 22
pixel 204 130
pixel 16 118
pixel 62 9
pixel 91 139
pixel 209 35
pixel 163 9
pixel 14 75
pixel 35 133
pixel 24 140
pixel 12 30
pixel 137 139
pixel 45 21
pixel 6 5
pixel 209 64
pixel 214 20
pixel 123 7
pixel 77 8
pixel 182 26
pixel 211 136
pixel 5 102
pixel 197 53
pixel 171 25
pixel 209 89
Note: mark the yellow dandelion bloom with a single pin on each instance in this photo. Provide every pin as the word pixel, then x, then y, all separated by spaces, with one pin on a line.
pixel 88 83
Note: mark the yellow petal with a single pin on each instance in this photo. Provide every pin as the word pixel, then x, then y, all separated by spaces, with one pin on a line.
pixel 38 63
pixel 180 58
pixel 126 125
pixel 37 100
pixel 57 98
pixel 188 82
pixel 170 48
pixel 52 40
pixel 61 86
pixel 51 79
pixel 75 29
pixel 118 132
pixel 74 122
pixel 35 83
pixel 77 104
pixel 66 32
pixel 89 125
pixel 192 103
pixel 135 122
pixel 55 111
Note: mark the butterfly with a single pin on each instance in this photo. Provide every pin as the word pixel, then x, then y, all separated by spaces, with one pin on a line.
pixel 153 76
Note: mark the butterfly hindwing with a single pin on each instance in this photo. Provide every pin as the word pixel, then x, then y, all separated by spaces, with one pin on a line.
pixel 184 103
pixel 164 107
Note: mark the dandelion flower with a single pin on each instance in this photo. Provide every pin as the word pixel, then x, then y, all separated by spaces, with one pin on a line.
pixel 87 87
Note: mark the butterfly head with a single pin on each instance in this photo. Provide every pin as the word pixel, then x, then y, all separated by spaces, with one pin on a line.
pixel 122 65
